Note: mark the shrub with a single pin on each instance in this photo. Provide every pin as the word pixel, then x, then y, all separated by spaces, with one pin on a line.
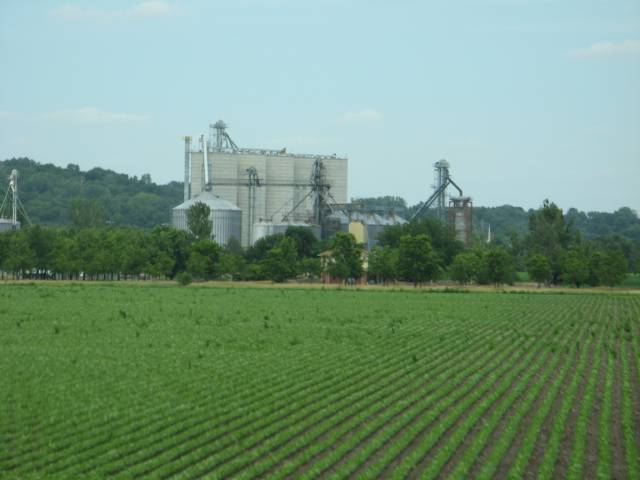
pixel 184 279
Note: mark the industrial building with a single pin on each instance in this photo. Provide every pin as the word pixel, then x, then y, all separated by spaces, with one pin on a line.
pixel 271 188
pixel 266 191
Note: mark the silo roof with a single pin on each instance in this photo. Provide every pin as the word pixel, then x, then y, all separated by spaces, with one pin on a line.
pixel 212 201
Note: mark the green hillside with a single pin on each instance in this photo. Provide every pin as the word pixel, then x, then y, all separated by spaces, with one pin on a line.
pixel 48 193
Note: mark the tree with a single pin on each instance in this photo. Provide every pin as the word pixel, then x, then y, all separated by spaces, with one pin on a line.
pixel 198 220
pixel 203 259
pixel 613 269
pixel 64 259
pixel 383 264
pixel 309 267
pixel 231 265
pixel 576 266
pixel 345 261
pixel 549 236
pixel 87 213
pixel 417 260
pixel 41 242
pixel 306 241
pixel 464 268
pixel 442 238
pixel 539 268
pixel 280 263
pixel 20 258
pixel 258 251
pixel 497 266
pixel 234 246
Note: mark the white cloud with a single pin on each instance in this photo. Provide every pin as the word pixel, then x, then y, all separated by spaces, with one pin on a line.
pixel 4 115
pixel 91 115
pixel 608 49
pixel 368 115
pixel 137 11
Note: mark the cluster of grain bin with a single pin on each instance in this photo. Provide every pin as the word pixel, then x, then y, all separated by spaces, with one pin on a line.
pixel 226 218
pixel 365 226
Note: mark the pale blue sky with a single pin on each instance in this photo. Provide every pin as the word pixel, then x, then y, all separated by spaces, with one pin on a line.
pixel 526 99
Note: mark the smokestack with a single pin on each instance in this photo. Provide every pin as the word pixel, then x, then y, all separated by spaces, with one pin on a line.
pixel 187 166
pixel 205 161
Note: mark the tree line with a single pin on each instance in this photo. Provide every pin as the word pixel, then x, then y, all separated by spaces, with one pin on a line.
pixel 552 252
pixel 421 251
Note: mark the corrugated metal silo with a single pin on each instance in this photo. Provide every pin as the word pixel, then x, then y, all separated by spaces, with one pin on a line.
pixel 225 216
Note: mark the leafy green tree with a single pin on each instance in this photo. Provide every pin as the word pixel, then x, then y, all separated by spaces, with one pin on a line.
pixel 613 270
pixel 64 261
pixel 135 254
pixel 258 251
pixel 197 265
pixel 280 263
pixel 539 268
pixel 497 266
pixel 464 268
pixel 205 254
pixel 346 257
pixel 198 220
pixel 383 264
pixel 309 266
pixel 417 260
pixel 234 246
pixel 306 242
pixel 576 266
pixel 549 236
pixel 596 259
pixel 174 243
pixel 231 265
pixel 441 237
pixel 20 257
pixel 41 242
pixel 87 213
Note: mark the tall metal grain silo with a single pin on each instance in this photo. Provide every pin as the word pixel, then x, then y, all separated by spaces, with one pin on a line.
pixel 226 217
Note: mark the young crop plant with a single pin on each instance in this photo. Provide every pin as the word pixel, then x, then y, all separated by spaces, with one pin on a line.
pixel 159 381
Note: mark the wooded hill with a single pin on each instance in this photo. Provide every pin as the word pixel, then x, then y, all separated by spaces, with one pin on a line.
pixel 49 194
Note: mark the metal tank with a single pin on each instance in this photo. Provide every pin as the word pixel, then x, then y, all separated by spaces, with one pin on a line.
pixel 226 217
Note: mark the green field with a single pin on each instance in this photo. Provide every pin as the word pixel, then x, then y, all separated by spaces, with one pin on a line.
pixel 212 382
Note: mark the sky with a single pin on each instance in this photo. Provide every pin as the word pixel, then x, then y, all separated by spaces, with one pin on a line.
pixel 527 99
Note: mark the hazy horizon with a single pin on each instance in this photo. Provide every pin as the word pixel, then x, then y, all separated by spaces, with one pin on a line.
pixel 527 100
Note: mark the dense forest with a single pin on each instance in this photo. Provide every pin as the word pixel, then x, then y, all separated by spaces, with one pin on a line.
pixel 50 193
pixel 64 196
